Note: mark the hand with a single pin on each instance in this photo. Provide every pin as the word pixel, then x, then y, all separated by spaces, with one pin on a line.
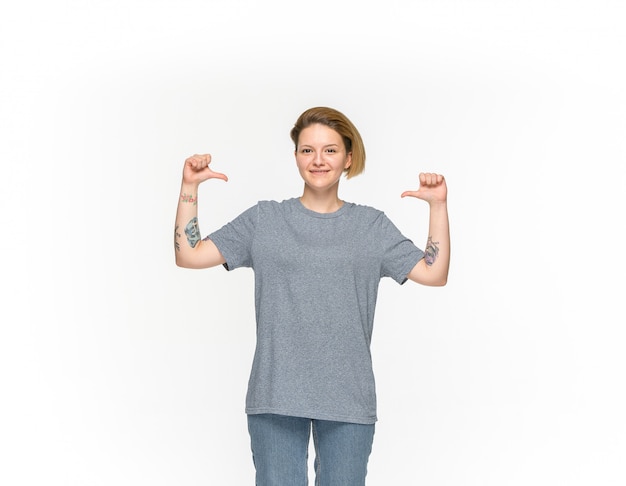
pixel 197 170
pixel 432 188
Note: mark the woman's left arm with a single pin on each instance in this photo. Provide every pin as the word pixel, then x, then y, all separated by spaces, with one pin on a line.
pixel 432 270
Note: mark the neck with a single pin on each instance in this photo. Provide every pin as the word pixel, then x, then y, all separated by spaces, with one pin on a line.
pixel 326 202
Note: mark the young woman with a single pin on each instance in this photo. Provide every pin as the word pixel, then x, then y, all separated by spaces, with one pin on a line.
pixel 317 263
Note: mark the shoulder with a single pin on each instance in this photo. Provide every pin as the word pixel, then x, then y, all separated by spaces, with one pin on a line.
pixel 364 212
pixel 375 220
pixel 273 205
pixel 273 202
pixel 365 209
pixel 272 209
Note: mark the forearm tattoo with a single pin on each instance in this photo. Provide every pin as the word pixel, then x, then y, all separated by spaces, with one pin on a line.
pixel 192 230
pixel 176 236
pixel 189 198
pixel 431 252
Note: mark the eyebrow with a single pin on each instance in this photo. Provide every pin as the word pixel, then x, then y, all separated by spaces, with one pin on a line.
pixel 324 146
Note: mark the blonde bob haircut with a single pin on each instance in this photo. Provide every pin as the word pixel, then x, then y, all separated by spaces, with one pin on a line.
pixel 343 126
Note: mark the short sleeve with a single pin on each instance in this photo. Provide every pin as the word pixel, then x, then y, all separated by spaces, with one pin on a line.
pixel 400 254
pixel 234 239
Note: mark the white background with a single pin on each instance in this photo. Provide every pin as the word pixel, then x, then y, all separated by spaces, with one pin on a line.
pixel 118 368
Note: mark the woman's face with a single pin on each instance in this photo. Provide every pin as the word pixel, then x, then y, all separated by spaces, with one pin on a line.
pixel 321 157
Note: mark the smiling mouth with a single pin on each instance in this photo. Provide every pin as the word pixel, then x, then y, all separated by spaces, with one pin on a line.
pixel 319 171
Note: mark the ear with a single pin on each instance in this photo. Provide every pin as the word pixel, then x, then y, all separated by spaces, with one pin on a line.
pixel 348 161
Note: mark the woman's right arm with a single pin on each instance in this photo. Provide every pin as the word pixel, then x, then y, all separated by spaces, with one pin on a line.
pixel 190 249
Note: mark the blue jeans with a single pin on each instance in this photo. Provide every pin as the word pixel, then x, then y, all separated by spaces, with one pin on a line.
pixel 280 446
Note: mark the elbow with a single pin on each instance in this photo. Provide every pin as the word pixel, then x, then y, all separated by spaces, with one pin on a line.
pixel 440 277
pixel 438 280
pixel 434 282
pixel 442 281
pixel 181 262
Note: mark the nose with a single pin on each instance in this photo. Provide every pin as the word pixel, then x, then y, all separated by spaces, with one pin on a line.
pixel 317 159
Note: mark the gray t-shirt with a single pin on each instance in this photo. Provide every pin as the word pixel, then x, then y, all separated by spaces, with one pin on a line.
pixel 316 283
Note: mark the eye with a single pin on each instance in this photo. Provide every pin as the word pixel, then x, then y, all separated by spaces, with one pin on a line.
pixel 306 150
pixel 331 150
